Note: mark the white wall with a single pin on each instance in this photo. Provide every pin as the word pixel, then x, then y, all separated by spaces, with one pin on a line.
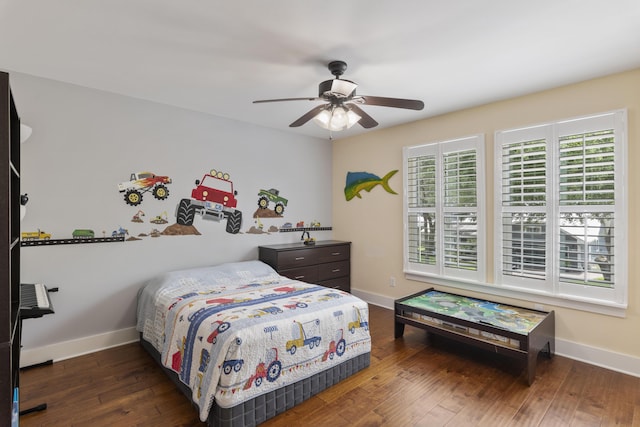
pixel 84 143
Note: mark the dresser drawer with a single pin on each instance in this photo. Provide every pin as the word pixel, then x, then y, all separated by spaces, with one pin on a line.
pixel 304 274
pixel 333 253
pixel 297 258
pixel 342 283
pixel 332 270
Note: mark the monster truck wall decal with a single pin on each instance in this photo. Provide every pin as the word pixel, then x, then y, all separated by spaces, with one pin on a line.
pixel 271 195
pixel 143 182
pixel 214 199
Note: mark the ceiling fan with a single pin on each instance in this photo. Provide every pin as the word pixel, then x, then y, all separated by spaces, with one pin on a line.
pixel 342 108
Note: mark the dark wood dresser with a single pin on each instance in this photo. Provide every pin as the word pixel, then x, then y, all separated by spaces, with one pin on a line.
pixel 327 263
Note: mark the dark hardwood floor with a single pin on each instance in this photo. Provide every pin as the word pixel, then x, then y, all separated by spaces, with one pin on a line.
pixel 411 382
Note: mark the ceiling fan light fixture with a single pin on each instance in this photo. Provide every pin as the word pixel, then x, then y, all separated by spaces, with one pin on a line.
pixel 337 87
pixel 343 87
pixel 352 118
pixel 341 109
pixel 336 118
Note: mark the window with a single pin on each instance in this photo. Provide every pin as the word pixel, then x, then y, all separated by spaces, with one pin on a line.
pixel 561 209
pixel 443 211
pixel 560 213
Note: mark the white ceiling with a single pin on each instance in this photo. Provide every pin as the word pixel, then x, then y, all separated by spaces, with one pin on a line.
pixel 217 57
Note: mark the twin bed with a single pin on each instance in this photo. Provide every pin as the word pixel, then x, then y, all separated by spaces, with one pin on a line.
pixel 245 344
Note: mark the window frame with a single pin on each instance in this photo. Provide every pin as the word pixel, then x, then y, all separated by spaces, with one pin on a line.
pixel 552 285
pixel 439 149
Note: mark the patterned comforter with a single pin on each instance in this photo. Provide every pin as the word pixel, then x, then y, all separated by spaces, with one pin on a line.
pixel 235 331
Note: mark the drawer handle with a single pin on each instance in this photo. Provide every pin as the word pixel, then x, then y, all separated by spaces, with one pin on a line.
pixel 336 253
pixel 300 258
pixel 299 277
pixel 337 270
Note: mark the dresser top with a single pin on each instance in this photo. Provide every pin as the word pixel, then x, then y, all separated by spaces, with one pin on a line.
pixel 301 245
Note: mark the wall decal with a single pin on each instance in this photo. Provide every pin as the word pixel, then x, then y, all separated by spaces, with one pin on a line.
pixel 264 198
pixel 138 216
pixel 358 181
pixel 315 226
pixel 153 233
pixel 81 233
pixel 259 228
pixel 180 230
pixel 35 235
pixel 160 219
pixel 78 236
pixel 214 199
pixel 119 232
pixel 142 182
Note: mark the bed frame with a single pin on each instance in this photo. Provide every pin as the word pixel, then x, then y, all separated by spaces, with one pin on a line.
pixel 270 404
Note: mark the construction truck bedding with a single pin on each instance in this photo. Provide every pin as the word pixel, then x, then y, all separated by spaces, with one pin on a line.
pixel 236 331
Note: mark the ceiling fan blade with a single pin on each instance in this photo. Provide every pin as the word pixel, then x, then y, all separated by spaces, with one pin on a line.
pixel 366 121
pixel 410 104
pixel 308 116
pixel 287 99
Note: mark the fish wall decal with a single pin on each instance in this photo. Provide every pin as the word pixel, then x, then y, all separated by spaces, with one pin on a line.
pixel 358 181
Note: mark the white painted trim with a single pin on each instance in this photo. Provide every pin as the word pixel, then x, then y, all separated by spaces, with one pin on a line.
pixel 618 362
pixel 78 347
pixel 375 299
pixel 607 359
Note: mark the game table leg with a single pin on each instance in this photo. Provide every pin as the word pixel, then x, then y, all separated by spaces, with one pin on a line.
pixel 399 329
pixel 531 366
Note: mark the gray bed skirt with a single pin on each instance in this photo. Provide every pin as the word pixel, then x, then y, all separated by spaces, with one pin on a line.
pixel 270 404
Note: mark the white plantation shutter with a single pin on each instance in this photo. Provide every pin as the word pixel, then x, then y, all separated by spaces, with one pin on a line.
pixel 460 242
pixel 523 166
pixel 421 195
pixel 561 208
pixel 444 229
pixel 524 170
pixel 460 218
pixel 587 203
pixel 587 169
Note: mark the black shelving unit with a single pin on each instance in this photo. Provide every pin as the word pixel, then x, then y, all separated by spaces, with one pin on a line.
pixel 10 247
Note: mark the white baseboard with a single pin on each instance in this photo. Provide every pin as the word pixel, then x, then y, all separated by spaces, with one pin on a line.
pixel 623 363
pixel 77 347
